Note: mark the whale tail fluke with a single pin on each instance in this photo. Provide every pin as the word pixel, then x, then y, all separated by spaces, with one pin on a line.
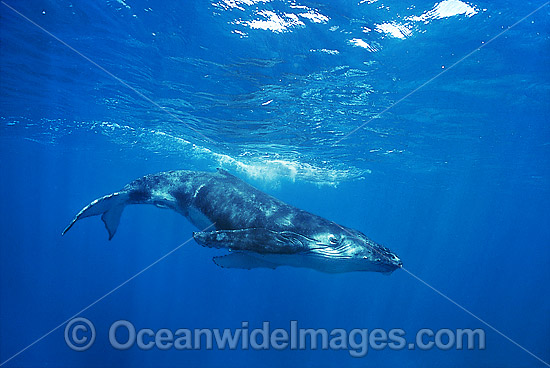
pixel 110 208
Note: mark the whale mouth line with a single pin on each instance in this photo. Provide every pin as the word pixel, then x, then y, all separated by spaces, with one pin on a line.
pixel 327 255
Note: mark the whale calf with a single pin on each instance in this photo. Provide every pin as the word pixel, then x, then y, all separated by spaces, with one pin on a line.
pixel 257 229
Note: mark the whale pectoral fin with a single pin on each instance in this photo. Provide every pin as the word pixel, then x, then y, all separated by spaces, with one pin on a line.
pixel 242 260
pixel 255 240
pixel 109 206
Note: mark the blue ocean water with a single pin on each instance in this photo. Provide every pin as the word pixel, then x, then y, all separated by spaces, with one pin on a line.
pixel 423 125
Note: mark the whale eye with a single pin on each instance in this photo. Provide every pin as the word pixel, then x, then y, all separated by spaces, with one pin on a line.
pixel 332 239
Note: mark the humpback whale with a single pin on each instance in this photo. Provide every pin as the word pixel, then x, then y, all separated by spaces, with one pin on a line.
pixel 258 230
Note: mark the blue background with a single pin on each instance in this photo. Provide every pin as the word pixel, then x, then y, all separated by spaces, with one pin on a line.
pixel 455 178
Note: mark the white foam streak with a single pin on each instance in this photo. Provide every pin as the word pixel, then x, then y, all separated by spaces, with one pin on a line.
pixel 360 43
pixel 394 30
pixel 270 20
pixel 273 22
pixel 314 17
pixel 446 9
pixel 258 167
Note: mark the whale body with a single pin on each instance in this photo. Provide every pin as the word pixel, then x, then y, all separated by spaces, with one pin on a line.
pixel 257 229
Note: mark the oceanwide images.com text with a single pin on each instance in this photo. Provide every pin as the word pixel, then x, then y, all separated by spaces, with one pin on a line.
pixel 80 335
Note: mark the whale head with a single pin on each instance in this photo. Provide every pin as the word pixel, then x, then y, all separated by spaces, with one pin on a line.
pixel 347 250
